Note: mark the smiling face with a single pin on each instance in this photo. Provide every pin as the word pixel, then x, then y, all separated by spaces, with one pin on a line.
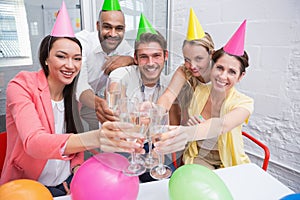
pixel 151 59
pixel 226 72
pixel 197 60
pixel 111 29
pixel 64 62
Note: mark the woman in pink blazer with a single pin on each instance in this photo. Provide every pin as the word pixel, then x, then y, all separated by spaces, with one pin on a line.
pixel 41 109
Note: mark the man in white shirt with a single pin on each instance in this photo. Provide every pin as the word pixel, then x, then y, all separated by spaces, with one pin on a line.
pixel 145 80
pixel 103 51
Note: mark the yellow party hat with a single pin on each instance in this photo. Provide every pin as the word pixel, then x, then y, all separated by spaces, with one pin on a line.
pixel 195 30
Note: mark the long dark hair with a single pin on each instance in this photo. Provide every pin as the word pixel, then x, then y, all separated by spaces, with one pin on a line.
pixel 72 119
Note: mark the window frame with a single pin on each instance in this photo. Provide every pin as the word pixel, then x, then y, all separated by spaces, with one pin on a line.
pixel 16 9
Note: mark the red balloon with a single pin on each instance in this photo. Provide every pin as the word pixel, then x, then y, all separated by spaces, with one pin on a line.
pixel 24 189
pixel 101 177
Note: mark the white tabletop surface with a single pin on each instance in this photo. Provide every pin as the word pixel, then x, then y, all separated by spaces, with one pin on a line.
pixel 252 182
pixel 243 181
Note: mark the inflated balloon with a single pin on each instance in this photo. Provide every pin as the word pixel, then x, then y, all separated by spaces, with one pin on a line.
pixel 195 182
pixel 24 189
pixel 295 196
pixel 101 177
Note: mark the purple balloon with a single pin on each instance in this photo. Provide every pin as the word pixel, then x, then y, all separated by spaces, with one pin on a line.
pixel 101 177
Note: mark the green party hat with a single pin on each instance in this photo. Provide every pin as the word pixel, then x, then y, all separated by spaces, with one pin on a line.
pixel 111 5
pixel 144 27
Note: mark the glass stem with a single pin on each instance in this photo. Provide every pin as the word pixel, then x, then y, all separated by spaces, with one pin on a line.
pixel 150 148
pixel 133 158
pixel 160 169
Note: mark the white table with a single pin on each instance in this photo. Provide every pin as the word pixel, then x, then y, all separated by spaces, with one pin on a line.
pixel 244 182
pixel 252 182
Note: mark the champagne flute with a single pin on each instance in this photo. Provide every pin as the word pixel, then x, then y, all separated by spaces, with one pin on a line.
pixel 145 120
pixel 144 108
pixel 159 124
pixel 128 113
pixel 113 92
pixel 150 161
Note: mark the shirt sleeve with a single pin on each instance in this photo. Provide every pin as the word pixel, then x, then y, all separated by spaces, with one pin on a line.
pixel 62 150
pixel 118 74
pixel 246 102
pixel 83 83
pixel 243 101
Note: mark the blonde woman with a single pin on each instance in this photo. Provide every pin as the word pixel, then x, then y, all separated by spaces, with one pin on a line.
pixel 195 70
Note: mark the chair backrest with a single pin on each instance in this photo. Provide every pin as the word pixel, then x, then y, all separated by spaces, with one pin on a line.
pixel 263 146
pixel 174 160
pixel 3 143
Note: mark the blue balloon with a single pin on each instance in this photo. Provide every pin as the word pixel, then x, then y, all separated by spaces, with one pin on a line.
pixel 291 197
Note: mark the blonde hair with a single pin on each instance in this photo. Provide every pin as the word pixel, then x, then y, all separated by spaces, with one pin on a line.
pixel 205 42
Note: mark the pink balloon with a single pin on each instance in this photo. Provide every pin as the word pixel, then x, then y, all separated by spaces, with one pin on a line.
pixel 101 177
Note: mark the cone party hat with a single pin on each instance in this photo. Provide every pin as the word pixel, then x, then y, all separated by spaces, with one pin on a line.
pixel 110 5
pixel 235 46
pixel 144 27
pixel 195 30
pixel 62 26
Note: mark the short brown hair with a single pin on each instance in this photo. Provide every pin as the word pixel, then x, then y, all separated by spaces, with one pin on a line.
pixel 146 38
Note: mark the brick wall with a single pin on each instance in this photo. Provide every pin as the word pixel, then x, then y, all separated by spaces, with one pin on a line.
pixel 273 78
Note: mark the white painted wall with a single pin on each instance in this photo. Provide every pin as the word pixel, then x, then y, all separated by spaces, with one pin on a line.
pixel 273 78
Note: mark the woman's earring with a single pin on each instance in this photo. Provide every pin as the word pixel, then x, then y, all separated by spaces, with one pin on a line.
pixel 46 63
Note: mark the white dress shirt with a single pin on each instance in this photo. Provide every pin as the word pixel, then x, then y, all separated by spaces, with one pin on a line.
pixel 91 75
pixel 131 78
pixel 56 171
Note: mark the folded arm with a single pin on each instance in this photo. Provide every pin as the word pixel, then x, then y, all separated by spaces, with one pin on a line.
pixel 114 62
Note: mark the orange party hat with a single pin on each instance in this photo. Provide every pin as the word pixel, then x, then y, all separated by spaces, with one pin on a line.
pixel 235 46
pixel 62 26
